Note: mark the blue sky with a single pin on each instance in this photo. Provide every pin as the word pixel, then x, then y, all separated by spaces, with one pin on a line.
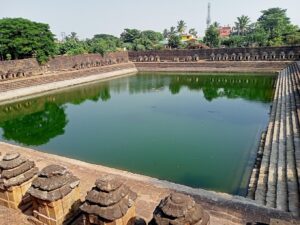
pixel 89 17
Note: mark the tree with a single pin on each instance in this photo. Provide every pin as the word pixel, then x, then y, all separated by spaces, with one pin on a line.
pixel 71 45
pixel 193 32
pixel 129 35
pixel 22 38
pixel 174 41
pixel 181 27
pixel 212 36
pixel 166 33
pixel 293 39
pixel 242 24
pixel 275 23
pixel 173 31
pixel 153 36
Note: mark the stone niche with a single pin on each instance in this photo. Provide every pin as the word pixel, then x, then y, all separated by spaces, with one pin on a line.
pixel 56 196
pixel 16 175
pixel 179 209
pixel 110 202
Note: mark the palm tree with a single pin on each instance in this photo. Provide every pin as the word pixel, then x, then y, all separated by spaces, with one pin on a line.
pixel 172 31
pixel 242 24
pixel 166 33
pixel 193 32
pixel 181 26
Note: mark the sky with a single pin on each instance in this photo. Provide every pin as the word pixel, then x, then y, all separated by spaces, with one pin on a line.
pixel 89 17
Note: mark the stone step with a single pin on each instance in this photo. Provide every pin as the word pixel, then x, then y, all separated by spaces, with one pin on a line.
pixel 281 181
pixel 293 143
pixel 273 166
pixel 278 176
pixel 260 193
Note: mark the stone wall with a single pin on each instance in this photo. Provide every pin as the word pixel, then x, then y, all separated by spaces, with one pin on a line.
pixel 28 67
pixel 213 66
pixel 219 54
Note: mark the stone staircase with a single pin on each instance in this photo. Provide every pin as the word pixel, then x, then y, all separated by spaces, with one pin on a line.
pixel 275 179
pixel 61 76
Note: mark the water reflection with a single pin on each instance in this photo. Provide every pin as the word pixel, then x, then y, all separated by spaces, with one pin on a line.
pixel 37 128
pixel 34 122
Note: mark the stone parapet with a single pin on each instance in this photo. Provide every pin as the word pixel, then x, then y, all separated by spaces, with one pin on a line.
pixel 219 54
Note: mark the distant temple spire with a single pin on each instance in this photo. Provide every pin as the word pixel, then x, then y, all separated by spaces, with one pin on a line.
pixel 208 20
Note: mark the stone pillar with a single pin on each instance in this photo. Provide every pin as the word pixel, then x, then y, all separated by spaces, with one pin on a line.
pixel 16 175
pixel 179 209
pixel 110 202
pixel 55 195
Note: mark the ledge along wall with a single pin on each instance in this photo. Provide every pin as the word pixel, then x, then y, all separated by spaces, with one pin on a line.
pixel 219 54
pixel 28 67
pixel 275 178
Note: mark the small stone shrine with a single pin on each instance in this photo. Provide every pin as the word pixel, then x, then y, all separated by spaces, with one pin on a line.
pixel 110 202
pixel 55 195
pixel 16 175
pixel 179 209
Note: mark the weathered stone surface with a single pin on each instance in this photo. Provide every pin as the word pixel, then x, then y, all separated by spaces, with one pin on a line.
pixel 107 198
pixel 18 170
pixel 53 170
pixel 110 213
pixel 10 164
pixel 178 209
pixel 11 156
pixel 15 181
pixel 54 182
pixel 110 199
pixel 109 183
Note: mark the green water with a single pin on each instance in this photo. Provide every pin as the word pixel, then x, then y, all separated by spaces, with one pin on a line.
pixel 197 130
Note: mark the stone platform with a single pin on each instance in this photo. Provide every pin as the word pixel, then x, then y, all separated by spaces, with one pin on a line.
pixel 223 209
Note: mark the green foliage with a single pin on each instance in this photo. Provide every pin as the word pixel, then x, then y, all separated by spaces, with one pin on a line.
pixel 293 39
pixel 193 32
pixel 71 46
pixel 276 24
pixel 174 41
pixel 103 43
pixel 181 27
pixel 242 24
pixel 212 36
pixel 141 40
pixel 22 38
pixel 129 35
pixel 8 56
pixel 273 28
pixel 234 41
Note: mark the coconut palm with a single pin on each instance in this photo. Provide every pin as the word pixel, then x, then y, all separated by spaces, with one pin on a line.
pixel 181 26
pixel 172 31
pixel 242 24
pixel 193 32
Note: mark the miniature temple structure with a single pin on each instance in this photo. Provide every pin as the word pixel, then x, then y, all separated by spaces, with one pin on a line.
pixel 16 175
pixel 56 196
pixel 179 209
pixel 110 202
